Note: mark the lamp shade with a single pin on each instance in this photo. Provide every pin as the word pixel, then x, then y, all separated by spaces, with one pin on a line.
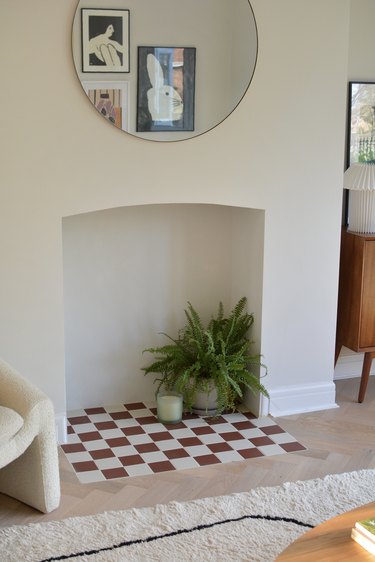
pixel 360 180
pixel 360 176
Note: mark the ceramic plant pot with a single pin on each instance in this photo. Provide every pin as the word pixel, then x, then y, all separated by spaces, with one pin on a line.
pixel 205 403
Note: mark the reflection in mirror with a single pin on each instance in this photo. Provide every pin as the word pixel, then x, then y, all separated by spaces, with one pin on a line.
pixel 164 70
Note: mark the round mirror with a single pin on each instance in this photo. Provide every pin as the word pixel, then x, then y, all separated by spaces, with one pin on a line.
pixel 164 70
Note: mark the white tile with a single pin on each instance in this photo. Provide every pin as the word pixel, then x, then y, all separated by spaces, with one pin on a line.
pixel 168 445
pixel 141 413
pixel 115 408
pixel 228 456
pixel 73 438
pixel 124 451
pixel 210 438
pixel 270 450
pixel 95 445
pixel 251 433
pixel 84 427
pixel 195 422
pixel 282 438
pixel 139 439
pixel 111 462
pixel 185 462
pixel 111 433
pixel 184 432
pixel 79 457
pixel 126 423
pixel 75 413
pixel 138 470
pixel 99 417
pixel 153 427
pixel 236 417
pixel 90 476
pixel 222 427
pixel 241 444
pixel 263 422
pixel 154 456
pixel 197 450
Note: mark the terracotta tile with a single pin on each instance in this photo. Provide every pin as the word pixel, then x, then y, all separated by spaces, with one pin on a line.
pixel 215 420
pixel 250 453
pixel 105 425
pixel 117 442
pixel 219 447
pixel 202 430
pixel 114 473
pixel 89 436
pixel 102 454
pixel 70 430
pixel 131 459
pixel 291 447
pixel 120 415
pixel 95 411
pixel 204 460
pixel 146 448
pixel 162 466
pixel 84 466
pixel 154 410
pixel 244 425
pixel 161 436
pixel 136 430
pixel 231 436
pixel 272 429
pixel 260 441
pixel 188 416
pixel 73 448
pixel 176 453
pixel 135 406
pixel 189 441
pixel 179 425
pixel 146 420
pixel 79 419
pixel 248 415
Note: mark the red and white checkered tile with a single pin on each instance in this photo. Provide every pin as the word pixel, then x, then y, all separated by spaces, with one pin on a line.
pixel 128 440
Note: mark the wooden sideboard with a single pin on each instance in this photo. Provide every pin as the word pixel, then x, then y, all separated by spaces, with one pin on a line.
pixel 356 301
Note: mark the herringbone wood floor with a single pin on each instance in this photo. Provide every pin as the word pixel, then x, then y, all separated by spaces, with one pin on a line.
pixel 338 440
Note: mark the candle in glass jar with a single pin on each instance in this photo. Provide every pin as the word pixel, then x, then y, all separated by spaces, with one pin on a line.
pixel 169 407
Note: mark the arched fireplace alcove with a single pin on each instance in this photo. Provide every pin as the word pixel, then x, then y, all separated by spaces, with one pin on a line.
pixel 128 274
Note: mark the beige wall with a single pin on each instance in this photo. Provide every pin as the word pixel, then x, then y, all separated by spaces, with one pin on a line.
pixel 282 151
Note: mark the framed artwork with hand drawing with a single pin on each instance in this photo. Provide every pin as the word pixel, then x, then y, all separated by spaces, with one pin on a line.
pixel 166 89
pixel 105 40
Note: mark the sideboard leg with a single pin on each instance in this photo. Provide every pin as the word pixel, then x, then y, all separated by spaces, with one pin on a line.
pixel 369 356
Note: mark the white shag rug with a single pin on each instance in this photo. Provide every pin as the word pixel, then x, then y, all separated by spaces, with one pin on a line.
pixel 254 526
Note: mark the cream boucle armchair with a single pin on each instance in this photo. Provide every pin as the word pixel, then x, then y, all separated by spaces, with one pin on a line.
pixel 29 469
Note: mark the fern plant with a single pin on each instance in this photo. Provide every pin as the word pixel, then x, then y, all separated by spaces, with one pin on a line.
pixel 218 353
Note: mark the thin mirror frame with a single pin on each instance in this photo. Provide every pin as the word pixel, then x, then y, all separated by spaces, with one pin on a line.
pixel 156 137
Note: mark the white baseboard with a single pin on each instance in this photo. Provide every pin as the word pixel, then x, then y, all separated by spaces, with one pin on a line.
pixel 61 431
pixel 350 365
pixel 298 399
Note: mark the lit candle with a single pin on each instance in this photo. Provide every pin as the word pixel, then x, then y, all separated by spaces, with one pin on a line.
pixel 169 407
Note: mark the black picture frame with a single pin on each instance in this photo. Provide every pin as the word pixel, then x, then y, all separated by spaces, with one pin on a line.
pixel 166 89
pixel 105 40
pixel 361 123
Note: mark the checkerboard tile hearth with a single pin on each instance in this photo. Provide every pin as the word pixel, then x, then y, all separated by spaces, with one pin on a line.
pixel 128 440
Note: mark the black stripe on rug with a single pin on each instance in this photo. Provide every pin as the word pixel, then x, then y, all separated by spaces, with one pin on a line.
pixel 175 533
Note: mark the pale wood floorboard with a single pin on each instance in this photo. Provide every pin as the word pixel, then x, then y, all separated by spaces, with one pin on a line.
pixel 337 440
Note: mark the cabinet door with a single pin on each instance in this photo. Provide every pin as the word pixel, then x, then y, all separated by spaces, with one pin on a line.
pixel 367 323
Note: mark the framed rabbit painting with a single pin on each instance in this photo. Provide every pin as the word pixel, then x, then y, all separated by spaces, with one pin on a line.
pixel 166 88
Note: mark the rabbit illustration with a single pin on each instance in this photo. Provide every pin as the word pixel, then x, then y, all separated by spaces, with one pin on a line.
pixel 164 102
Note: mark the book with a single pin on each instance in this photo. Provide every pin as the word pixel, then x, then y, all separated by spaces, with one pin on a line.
pixel 367 528
pixel 363 540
